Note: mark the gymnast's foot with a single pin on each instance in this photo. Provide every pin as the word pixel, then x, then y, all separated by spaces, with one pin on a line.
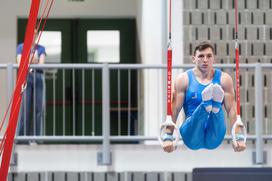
pixel 207 97
pixel 217 98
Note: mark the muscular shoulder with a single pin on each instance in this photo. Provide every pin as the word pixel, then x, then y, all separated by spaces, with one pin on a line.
pixel 226 82
pixel 181 82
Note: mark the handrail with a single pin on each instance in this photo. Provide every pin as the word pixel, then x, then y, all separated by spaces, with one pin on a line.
pixel 134 66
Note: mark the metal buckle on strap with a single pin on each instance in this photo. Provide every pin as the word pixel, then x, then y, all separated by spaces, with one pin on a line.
pixel 23 87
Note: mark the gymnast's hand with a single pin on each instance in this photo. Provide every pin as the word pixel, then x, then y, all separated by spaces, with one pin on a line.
pixel 168 146
pixel 240 144
pixel 168 140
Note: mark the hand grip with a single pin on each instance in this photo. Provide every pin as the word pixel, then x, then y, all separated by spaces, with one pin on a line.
pixel 166 124
pixel 243 131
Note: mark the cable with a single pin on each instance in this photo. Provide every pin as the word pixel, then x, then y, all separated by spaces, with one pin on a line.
pixel 7 142
pixel 169 122
pixel 241 134
pixel 237 59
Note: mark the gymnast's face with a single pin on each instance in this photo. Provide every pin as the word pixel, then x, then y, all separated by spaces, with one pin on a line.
pixel 204 59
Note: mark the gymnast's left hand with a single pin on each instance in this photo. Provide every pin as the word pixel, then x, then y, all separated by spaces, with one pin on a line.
pixel 240 146
pixel 168 146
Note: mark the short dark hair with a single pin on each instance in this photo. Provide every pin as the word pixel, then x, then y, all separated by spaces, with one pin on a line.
pixel 202 46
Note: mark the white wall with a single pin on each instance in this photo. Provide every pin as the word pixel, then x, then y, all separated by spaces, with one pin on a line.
pixel 7 31
pixel 43 158
pixel 177 32
pixel 7 46
pixel 152 51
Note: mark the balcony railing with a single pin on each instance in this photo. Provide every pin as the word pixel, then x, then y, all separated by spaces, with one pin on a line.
pixel 106 103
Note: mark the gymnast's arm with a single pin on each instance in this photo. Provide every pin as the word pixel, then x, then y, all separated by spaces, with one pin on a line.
pixel 178 93
pixel 230 105
pixel 229 97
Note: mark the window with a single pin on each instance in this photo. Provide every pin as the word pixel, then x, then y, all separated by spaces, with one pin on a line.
pixel 103 46
pixel 51 40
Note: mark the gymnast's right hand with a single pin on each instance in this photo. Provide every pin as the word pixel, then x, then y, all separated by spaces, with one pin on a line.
pixel 168 144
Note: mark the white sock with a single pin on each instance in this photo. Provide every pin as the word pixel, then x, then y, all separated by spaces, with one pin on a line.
pixel 218 96
pixel 207 97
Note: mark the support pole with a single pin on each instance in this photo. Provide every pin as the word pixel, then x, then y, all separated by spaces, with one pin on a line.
pixel 104 157
pixel 259 114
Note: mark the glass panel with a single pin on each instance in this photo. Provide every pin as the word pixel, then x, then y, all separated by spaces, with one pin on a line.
pixel 103 46
pixel 51 40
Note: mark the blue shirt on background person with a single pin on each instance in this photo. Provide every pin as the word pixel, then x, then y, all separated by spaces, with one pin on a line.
pixel 33 96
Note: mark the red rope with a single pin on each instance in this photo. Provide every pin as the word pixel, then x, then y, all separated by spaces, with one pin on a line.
pixel 5 116
pixel 169 65
pixel 237 60
pixel 32 57
pixel 170 18
pixel 42 16
pixel 8 139
pixel 8 143
pixel 2 143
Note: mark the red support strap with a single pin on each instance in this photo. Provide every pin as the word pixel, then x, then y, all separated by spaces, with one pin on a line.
pixel 169 82
pixel 237 60
pixel 169 65
pixel 237 82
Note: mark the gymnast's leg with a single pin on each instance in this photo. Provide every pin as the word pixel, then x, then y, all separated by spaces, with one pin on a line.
pixel 216 128
pixel 193 129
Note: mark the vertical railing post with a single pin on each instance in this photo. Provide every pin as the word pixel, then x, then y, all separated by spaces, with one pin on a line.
pixel 10 81
pixel 259 114
pixel 104 158
pixel 9 96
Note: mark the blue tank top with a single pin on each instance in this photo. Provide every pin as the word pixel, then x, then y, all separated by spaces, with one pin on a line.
pixel 193 93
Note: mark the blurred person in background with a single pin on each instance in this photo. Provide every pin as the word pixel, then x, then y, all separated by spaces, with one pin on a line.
pixel 33 95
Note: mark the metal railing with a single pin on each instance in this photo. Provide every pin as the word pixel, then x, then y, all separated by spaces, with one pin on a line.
pixel 106 81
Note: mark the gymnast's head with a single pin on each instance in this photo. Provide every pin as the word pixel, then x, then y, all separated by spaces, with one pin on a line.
pixel 203 56
pixel 203 46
